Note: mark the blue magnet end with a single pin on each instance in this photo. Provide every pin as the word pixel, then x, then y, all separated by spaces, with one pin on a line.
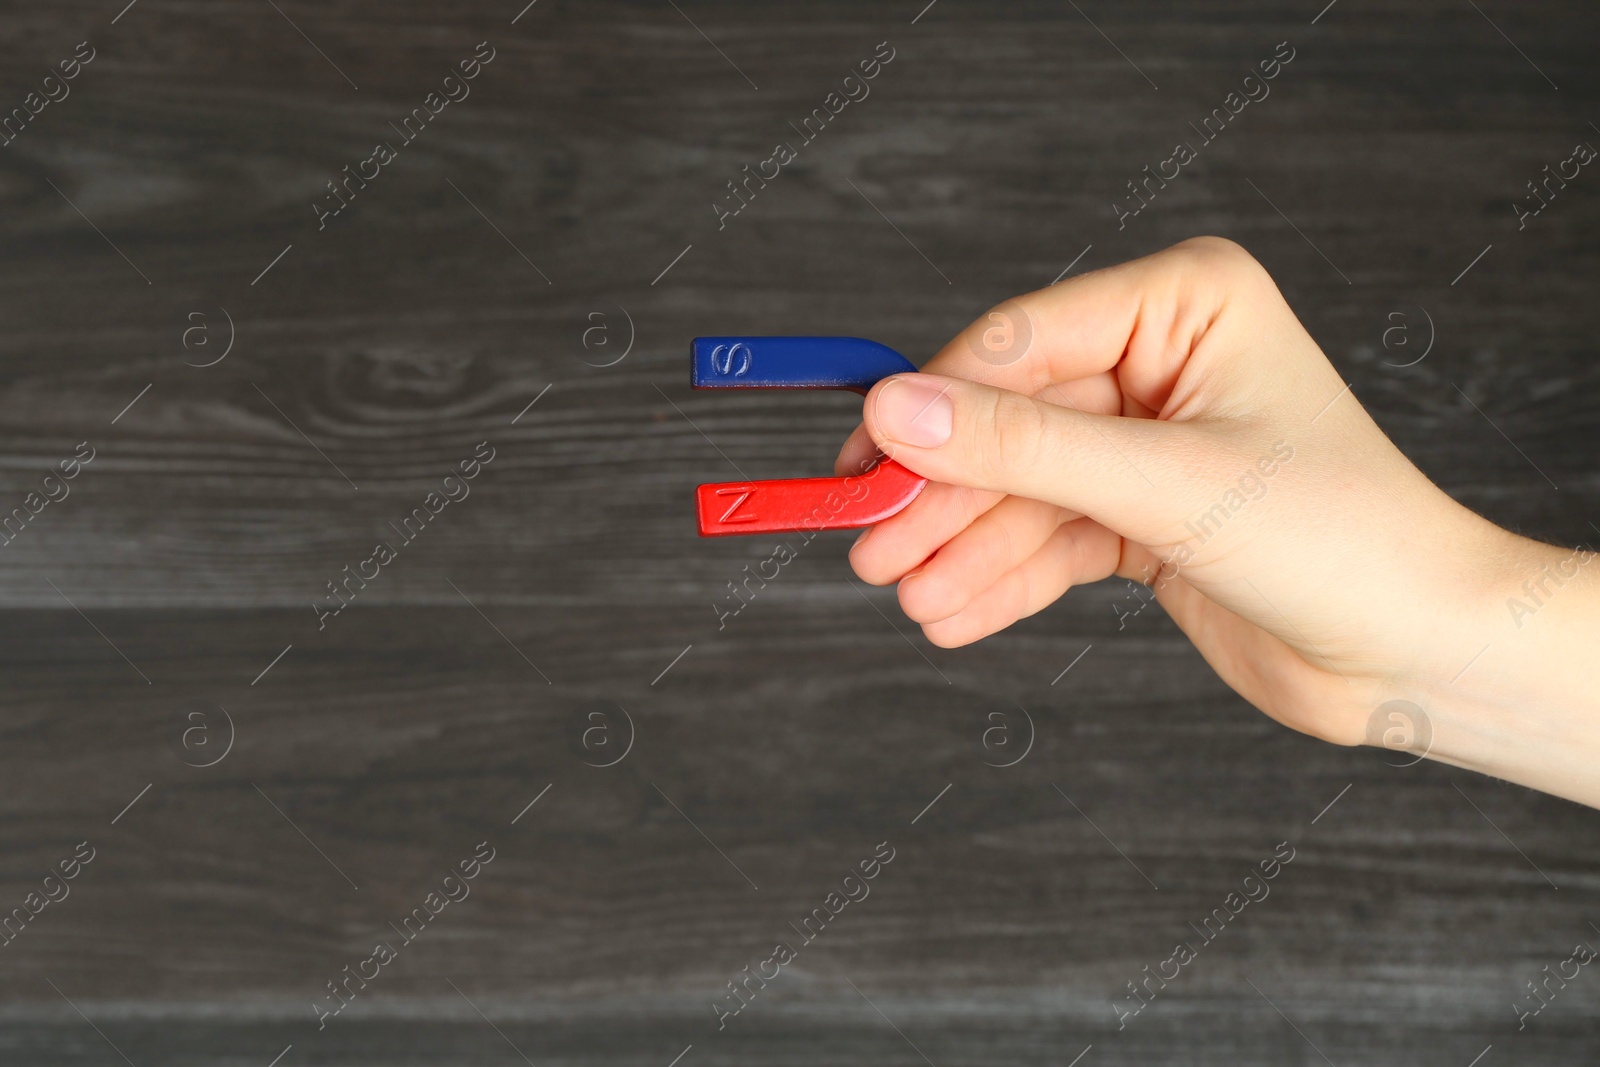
pixel 852 363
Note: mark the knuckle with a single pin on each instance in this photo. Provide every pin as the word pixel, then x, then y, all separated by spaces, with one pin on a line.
pixel 1017 429
pixel 1213 254
pixel 1220 267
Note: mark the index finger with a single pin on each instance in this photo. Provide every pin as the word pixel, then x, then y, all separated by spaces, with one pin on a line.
pixel 1147 315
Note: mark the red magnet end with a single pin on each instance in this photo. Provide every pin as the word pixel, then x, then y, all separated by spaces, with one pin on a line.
pixel 779 505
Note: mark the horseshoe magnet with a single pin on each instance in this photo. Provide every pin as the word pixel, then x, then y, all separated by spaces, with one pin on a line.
pixel 777 505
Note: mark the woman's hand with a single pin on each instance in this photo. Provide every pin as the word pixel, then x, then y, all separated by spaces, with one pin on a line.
pixel 1170 421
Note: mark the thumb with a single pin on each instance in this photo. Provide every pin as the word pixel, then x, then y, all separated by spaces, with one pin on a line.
pixel 1126 473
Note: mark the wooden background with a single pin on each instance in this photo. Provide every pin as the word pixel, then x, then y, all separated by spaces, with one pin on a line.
pixel 460 684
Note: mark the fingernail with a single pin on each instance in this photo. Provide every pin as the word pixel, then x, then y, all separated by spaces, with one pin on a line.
pixel 864 535
pixel 916 412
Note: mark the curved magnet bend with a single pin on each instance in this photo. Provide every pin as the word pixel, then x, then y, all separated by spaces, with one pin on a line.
pixel 777 505
pixel 781 504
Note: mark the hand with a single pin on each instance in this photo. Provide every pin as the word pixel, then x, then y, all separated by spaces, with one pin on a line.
pixel 1170 421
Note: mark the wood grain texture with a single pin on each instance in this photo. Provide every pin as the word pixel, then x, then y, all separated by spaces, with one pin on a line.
pixel 782 748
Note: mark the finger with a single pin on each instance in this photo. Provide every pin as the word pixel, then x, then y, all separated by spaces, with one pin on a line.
pixel 857 455
pixel 885 552
pixel 1146 316
pixel 978 557
pixel 941 512
pixel 1099 393
pixel 1137 476
pixel 1078 552
pixel 1141 318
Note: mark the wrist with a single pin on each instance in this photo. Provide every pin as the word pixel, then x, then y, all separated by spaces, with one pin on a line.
pixel 1511 692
